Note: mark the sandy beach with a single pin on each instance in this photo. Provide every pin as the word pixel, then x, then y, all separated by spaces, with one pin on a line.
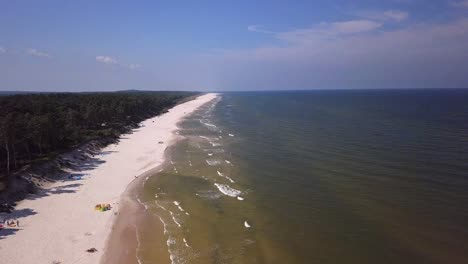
pixel 60 225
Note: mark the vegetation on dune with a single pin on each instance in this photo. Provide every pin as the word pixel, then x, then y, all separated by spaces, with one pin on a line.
pixel 36 127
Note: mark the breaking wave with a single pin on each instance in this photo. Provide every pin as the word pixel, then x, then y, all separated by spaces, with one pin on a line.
pixel 227 190
pixel 225 176
pixel 212 162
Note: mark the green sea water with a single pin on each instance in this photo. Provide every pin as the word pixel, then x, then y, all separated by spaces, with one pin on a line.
pixel 315 177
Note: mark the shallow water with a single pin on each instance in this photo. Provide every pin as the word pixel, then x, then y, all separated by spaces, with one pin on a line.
pixel 317 177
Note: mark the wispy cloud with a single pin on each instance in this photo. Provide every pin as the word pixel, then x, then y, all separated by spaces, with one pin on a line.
pixel 134 66
pixel 328 31
pixel 259 29
pixel 463 3
pixel 353 26
pixel 354 54
pixel 392 15
pixel 113 61
pixel 2 50
pixel 396 15
pixel 106 59
pixel 37 53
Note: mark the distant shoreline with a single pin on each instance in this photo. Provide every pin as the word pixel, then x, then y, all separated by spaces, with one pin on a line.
pixel 61 224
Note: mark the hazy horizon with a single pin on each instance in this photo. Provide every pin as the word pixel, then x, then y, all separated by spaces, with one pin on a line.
pixel 53 46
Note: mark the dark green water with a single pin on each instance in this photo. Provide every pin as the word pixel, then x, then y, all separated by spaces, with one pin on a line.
pixel 325 177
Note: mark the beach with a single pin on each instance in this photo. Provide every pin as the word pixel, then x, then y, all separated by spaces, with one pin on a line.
pixel 60 225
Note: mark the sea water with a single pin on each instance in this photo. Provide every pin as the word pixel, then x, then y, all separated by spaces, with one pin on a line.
pixel 370 176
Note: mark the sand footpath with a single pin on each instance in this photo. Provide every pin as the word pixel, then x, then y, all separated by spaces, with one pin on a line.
pixel 61 226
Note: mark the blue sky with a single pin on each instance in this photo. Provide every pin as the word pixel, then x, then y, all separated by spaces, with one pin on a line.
pixel 232 45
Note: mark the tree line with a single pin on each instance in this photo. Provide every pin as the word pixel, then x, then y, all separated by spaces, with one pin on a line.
pixel 35 127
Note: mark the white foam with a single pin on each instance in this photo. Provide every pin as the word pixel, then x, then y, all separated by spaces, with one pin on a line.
pixel 224 176
pixel 246 224
pixel 209 125
pixel 213 144
pixel 240 198
pixel 170 241
pixel 228 162
pixel 231 135
pixel 160 206
pixel 227 190
pixel 213 162
pixel 210 154
pixel 185 242
pixel 190 163
pixel 138 245
pixel 209 195
pixel 174 219
pixel 164 224
pixel 180 207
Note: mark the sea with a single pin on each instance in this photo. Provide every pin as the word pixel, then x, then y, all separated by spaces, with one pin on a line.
pixel 337 176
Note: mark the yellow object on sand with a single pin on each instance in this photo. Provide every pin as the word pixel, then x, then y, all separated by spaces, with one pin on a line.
pixel 102 207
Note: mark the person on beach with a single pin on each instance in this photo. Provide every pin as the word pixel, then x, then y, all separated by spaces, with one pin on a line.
pixel 17 223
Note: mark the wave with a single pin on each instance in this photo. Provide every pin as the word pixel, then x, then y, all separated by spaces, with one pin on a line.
pixel 213 144
pixel 213 162
pixel 174 219
pixel 171 241
pixel 164 224
pixel 225 176
pixel 208 194
pixel 142 203
pixel 231 135
pixel 185 242
pixel 240 198
pixel 180 207
pixel 227 190
pixel 246 224
pixel 160 206
pixel 209 125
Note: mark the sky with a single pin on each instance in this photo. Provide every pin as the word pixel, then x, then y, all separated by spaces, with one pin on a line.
pixel 232 45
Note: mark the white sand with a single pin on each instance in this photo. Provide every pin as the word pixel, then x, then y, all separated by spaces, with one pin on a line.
pixel 64 225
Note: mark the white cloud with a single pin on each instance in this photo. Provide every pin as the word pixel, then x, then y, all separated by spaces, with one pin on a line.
pixel 37 53
pixel 106 59
pixel 353 55
pixel 328 31
pixel 259 29
pixel 134 66
pixel 354 26
pixel 384 16
pixel 2 49
pixel 396 15
pixel 463 3
pixel 113 61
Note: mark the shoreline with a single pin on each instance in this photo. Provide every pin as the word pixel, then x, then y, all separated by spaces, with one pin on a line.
pixel 60 224
pixel 122 243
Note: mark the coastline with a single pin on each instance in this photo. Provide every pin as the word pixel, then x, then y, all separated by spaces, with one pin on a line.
pixel 61 224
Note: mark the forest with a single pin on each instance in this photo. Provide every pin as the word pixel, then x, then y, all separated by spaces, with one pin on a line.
pixel 37 127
